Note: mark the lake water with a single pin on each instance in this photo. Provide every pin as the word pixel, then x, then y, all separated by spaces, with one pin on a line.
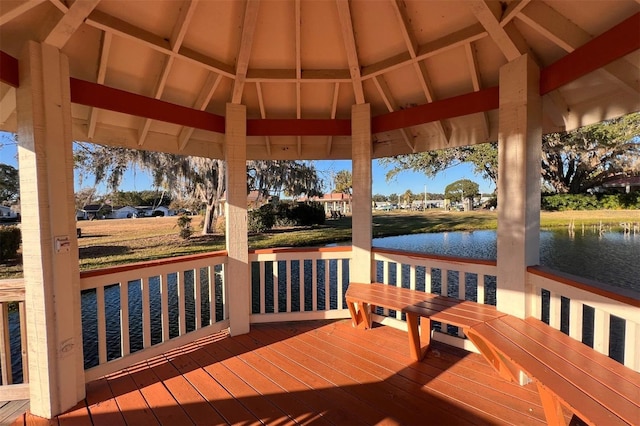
pixel 613 258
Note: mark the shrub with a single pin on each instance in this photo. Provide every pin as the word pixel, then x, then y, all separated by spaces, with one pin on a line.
pixel 10 237
pixel 184 223
pixel 562 202
pixel 306 214
pixel 261 219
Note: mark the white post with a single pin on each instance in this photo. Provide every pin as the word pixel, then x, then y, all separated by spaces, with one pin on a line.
pixel 237 270
pixel 361 154
pixel 519 153
pixel 49 243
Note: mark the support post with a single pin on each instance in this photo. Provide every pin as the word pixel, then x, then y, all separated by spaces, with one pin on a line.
pixel 519 153
pixel 361 155
pixel 237 270
pixel 50 245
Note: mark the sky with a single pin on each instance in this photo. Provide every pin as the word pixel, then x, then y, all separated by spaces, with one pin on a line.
pixel 138 180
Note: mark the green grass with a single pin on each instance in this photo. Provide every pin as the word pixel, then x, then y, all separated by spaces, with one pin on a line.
pixel 113 242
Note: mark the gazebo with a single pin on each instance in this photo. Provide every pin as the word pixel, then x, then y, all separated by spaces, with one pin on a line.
pixel 292 79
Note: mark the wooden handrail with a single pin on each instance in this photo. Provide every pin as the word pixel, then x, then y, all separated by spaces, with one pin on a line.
pixel 413 255
pixel 12 290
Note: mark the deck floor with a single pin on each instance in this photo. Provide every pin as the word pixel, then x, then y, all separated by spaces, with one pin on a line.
pixel 320 372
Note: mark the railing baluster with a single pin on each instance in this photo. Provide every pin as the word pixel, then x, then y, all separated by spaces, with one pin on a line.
pixel 398 284
pixel 314 284
pixel 412 276
pixel 263 285
pixel 462 284
pixel 225 295
pixel 182 301
pixel 164 303
pixel 211 275
pixel 427 279
pixel 340 297
pixel 124 318
pixel 480 289
pixel 575 319
pixel 5 345
pixel 631 339
pixel 23 342
pixel 327 284
pixel 146 314
pixel 444 282
pixel 274 273
pixel 601 331
pixel 555 307
pixel 288 270
pixel 102 325
pixel 197 298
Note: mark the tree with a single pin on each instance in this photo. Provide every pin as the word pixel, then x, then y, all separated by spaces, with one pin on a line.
pixel 463 189
pixel 343 182
pixel 407 197
pixel 195 177
pixel 9 184
pixel 576 161
pixel 84 197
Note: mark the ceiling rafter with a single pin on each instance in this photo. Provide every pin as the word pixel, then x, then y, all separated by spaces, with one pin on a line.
pixel 427 50
pixel 263 114
pixel 427 88
pixel 392 105
pixel 512 11
pixel 19 10
pixel 102 73
pixel 70 22
pixel 334 110
pixel 204 97
pixel 489 21
pixel 569 36
pixel 62 7
pixel 246 41
pixel 123 29
pixel 400 9
pixel 472 60
pixel 349 39
pixel 177 36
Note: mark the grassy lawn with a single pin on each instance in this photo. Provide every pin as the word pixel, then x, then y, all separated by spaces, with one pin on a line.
pixel 111 242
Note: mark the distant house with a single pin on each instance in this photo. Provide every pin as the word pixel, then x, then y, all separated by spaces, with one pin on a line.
pixel 164 210
pixel 7 214
pixel 334 202
pixel 123 212
pixel 94 211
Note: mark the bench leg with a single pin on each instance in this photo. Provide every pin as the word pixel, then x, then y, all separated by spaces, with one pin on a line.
pixel 415 348
pixel 360 316
pixel 551 406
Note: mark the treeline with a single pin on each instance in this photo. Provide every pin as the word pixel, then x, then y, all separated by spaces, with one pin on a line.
pixel 562 202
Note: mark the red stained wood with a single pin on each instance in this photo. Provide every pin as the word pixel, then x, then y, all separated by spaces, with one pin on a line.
pixel 9 72
pixel 102 405
pixel 298 127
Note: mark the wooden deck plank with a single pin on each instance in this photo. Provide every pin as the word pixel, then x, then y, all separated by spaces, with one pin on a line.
pixel 102 404
pixel 261 408
pixel 196 407
pixel 76 416
pixel 306 372
pixel 12 409
pixel 131 403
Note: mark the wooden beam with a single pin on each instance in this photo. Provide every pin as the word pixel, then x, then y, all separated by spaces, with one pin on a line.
pixel 102 73
pixel 301 127
pixel 125 30
pixel 512 11
pixel 472 60
pixel 348 37
pixel 392 105
pixel 70 22
pixel 160 84
pixel 246 41
pixel 263 114
pixel 334 109
pixel 18 10
pixel 182 24
pixel 96 95
pixel 450 41
pixel 470 103
pixel 489 21
pixel 569 36
pixel 596 53
pixel 400 9
pixel 9 73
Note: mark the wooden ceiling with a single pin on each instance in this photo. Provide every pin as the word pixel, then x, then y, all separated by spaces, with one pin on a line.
pixel 157 75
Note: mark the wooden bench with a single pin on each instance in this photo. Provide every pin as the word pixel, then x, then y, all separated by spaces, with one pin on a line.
pixel 420 309
pixel 566 372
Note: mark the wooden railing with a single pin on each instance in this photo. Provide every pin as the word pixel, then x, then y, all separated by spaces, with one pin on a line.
pixel 299 284
pixel 135 311
pixel 13 341
pixel 601 316
pixel 457 277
